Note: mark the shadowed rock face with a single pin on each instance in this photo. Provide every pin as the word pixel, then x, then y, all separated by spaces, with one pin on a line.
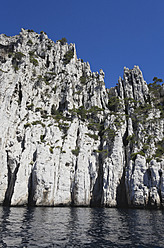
pixel 67 140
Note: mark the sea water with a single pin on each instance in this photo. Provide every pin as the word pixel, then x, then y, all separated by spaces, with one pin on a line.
pixel 80 227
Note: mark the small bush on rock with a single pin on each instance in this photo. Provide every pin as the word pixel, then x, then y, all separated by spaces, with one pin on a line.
pixel 75 152
pixel 63 41
pixel 68 56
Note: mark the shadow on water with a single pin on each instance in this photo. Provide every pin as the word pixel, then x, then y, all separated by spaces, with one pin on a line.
pixel 4 223
pixel 80 227
pixel 72 227
pixel 141 228
pixel 97 232
pixel 14 226
pixel 26 226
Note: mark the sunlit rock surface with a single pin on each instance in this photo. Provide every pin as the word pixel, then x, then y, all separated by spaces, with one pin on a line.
pixel 67 140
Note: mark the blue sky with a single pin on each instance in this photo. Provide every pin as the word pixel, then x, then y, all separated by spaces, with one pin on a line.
pixel 109 34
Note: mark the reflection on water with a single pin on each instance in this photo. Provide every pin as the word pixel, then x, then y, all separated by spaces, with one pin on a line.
pixel 80 227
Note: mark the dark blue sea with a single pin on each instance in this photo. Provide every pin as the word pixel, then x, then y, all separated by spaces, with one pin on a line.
pixel 80 227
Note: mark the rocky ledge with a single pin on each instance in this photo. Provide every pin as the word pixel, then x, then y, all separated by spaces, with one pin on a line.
pixel 67 140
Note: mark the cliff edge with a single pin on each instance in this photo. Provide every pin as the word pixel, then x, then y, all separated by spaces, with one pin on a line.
pixel 67 140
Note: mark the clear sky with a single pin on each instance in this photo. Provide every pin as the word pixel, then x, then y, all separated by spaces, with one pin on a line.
pixel 109 34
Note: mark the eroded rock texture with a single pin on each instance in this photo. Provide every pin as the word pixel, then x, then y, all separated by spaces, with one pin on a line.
pixel 67 140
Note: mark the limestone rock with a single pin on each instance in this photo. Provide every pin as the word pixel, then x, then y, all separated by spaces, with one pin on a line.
pixel 66 139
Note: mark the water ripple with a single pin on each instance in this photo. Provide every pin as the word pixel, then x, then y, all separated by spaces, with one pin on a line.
pixel 80 227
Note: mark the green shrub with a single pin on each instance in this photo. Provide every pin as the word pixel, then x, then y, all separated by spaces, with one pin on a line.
pixel 75 152
pixel 143 109
pixel 34 61
pixel 78 92
pixel 29 42
pixel 53 110
pixel 16 68
pixel 42 138
pixel 49 46
pixel 148 159
pixel 30 106
pixel 32 53
pixel 160 148
pixel 109 133
pixel 131 138
pixel 51 149
pixel 114 103
pixel 95 109
pixel 92 136
pixel 42 32
pixel 62 151
pixel 101 83
pixel 38 123
pixel 38 109
pixel 68 56
pixel 63 41
pixel 54 89
pixel 45 79
pixel 56 114
pixel 118 122
pixel 134 155
pixel 83 79
pixel 16 59
pixel 27 125
pixel 103 152
pixel 82 112
pixel 149 138
pixel 145 147
pixel 95 126
pixel 19 55
pixel 155 89
pixel 51 73
pixel 63 127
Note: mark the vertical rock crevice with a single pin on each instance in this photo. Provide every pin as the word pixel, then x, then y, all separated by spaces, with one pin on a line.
pixel 12 176
pixel 121 195
pixel 74 186
pixel 97 198
pixel 20 94
pixel 31 184
pixel 31 190
pixel 122 191
pixel 23 143
pixel 161 196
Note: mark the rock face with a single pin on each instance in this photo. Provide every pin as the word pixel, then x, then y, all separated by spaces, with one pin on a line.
pixel 67 140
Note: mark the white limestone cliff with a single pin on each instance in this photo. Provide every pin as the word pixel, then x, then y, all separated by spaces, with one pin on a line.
pixel 67 140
